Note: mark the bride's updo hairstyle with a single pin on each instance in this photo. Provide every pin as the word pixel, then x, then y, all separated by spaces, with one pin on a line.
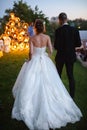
pixel 39 26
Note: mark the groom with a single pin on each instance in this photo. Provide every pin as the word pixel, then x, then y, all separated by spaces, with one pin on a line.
pixel 66 40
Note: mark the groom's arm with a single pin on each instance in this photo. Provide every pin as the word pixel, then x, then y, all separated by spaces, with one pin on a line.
pixel 49 44
pixel 77 38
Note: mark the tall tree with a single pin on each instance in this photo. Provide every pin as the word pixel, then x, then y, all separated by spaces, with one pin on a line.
pixel 21 10
pixel 24 12
pixel 39 14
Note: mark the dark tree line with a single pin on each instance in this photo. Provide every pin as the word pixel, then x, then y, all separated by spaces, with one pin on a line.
pixel 81 24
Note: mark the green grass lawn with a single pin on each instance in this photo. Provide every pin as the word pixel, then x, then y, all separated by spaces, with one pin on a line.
pixel 10 65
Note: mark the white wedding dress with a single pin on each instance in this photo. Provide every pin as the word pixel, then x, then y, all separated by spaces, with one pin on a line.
pixel 41 100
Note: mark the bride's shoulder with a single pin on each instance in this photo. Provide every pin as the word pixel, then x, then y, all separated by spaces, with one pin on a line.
pixel 46 36
pixel 32 38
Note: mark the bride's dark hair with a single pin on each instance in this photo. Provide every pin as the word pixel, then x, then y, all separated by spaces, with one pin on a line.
pixel 39 26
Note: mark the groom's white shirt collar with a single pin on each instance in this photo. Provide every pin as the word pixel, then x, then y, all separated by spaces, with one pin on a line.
pixel 65 24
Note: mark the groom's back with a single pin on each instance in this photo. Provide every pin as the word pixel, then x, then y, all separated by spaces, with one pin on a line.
pixel 66 39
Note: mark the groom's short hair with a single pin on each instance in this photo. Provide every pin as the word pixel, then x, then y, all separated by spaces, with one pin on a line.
pixel 62 16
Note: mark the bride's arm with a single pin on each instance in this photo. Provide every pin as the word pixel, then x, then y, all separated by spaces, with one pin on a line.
pixel 31 49
pixel 49 44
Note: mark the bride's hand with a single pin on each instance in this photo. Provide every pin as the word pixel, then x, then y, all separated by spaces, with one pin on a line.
pixel 27 60
pixel 49 54
pixel 30 56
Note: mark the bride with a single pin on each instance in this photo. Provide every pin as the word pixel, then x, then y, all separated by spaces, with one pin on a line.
pixel 41 99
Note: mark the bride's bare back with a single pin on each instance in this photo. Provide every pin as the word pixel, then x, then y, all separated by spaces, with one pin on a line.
pixel 40 40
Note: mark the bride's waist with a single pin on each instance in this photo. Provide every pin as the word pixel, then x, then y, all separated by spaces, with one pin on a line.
pixel 40 54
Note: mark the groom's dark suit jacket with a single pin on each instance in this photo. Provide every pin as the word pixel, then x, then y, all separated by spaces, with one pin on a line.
pixel 66 39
